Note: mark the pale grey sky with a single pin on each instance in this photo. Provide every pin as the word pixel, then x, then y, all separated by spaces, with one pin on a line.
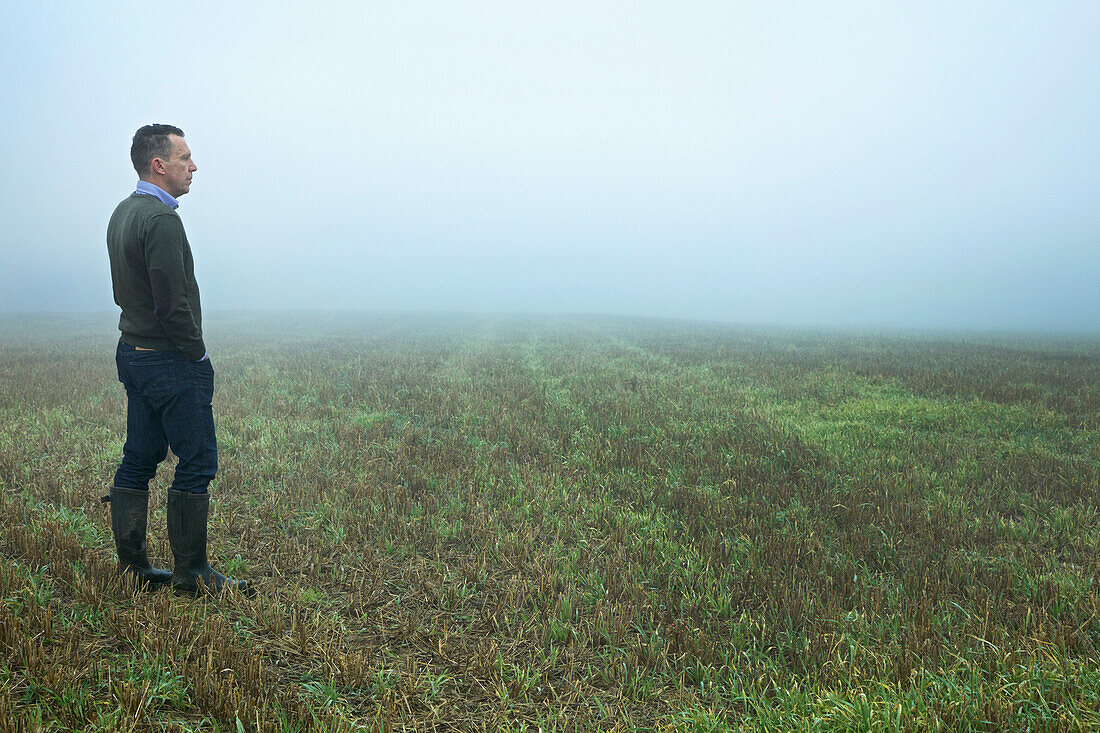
pixel 811 163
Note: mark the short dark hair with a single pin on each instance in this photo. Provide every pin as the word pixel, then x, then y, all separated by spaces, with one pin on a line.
pixel 151 141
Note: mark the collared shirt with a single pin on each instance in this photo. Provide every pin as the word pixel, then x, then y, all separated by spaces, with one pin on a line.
pixel 151 189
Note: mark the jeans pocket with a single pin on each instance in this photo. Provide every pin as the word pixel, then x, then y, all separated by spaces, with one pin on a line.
pixel 155 379
pixel 202 374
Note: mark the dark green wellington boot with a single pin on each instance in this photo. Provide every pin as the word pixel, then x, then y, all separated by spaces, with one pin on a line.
pixel 187 516
pixel 129 516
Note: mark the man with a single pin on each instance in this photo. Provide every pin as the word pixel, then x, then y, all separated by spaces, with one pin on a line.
pixel 165 368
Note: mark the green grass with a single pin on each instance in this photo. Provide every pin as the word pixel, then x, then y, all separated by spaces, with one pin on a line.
pixel 561 524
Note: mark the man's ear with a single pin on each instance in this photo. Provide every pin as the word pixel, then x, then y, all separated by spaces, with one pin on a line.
pixel 157 166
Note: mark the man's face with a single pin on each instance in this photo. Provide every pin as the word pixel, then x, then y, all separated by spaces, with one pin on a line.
pixel 179 168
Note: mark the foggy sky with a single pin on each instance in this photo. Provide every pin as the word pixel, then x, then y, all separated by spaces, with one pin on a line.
pixel 887 164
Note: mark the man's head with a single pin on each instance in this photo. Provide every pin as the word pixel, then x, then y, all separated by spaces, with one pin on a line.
pixel 161 157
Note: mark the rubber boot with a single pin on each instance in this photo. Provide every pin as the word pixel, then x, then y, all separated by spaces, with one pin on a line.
pixel 129 516
pixel 187 516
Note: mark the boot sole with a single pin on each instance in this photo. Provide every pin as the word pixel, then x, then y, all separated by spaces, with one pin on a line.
pixel 195 591
pixel 144 584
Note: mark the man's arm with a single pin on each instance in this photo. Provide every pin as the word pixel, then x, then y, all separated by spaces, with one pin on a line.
pixel 165 251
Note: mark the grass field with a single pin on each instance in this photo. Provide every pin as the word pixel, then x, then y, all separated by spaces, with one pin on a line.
pixel 568 524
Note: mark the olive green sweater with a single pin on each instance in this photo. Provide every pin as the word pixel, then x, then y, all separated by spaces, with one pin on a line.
pixel 154 277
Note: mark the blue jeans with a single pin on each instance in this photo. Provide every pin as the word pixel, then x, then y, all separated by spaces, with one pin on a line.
pixel 167 406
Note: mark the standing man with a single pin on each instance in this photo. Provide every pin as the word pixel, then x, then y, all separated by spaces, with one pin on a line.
pixel 163 363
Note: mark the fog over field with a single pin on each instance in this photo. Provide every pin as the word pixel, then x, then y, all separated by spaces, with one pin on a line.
pixel 835 164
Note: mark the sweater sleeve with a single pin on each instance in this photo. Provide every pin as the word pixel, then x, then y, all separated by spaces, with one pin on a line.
pixel 166 251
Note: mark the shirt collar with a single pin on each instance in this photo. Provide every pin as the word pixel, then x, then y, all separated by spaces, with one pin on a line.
pixel 151 189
